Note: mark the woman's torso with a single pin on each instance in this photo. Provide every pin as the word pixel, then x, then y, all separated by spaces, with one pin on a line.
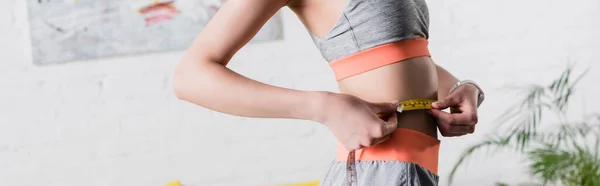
pixel 342 28
pixel 378 52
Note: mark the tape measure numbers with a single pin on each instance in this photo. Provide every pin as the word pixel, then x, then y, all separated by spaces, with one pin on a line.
pixel 417 104
pixel 414 104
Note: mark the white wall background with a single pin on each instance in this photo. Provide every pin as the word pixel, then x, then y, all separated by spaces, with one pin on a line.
pixel 116 122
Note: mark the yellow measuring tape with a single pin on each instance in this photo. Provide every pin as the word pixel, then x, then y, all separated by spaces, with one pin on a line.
pixel 417 104
pixel 413 104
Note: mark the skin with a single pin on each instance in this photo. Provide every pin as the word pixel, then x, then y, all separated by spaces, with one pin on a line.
pixel 202 78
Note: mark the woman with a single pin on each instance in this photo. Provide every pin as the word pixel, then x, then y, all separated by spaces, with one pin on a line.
pixel 378 52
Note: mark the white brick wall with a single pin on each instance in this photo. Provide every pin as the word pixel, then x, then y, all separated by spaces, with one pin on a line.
pixel 116 122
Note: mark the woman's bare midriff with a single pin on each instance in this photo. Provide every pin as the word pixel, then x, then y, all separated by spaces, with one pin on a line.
pixel 414 78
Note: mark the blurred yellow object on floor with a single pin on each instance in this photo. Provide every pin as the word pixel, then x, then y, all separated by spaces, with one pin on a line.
pixel 174 183
pixel 312 183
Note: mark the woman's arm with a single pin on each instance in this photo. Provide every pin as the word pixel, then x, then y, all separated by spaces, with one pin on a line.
pixel 445 81
pixel 202 78
pixel 463 103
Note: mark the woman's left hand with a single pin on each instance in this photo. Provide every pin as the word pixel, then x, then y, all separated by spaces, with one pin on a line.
pixel 463 111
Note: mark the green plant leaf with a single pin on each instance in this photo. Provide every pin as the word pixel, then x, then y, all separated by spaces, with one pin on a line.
pixel 555 154
pixel 498 142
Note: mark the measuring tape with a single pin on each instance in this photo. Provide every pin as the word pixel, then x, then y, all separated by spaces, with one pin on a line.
pixel 414 104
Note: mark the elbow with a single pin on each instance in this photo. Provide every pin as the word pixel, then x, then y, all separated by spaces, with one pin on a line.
pixel 179 91
pixel 179 88
pixel 181 82
pixel 190 80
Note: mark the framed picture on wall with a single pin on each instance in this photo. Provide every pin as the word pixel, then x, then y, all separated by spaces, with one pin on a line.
pixel 74 30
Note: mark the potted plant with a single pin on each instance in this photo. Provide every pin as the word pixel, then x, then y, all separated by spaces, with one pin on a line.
pixel 560 150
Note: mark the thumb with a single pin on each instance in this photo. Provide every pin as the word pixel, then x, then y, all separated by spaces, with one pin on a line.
pixel 448 101
pixel 391 124
pixel 442 117
pixel 385 107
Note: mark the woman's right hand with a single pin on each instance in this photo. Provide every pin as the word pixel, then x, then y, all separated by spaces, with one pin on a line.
pixel 355 122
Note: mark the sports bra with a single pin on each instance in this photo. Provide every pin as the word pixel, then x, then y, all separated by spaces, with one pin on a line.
pixel 374 33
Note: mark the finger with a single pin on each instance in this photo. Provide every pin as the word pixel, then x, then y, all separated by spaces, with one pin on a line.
pixel 442 117
pixel 445 129
pixel 382 139
pixel 452 134
pixel 449 131
pixel 391 124
pixel 465 118
pixel 454 110
pixel 461 129
pixel 450 101
pixel 469 129
pixel 384 108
